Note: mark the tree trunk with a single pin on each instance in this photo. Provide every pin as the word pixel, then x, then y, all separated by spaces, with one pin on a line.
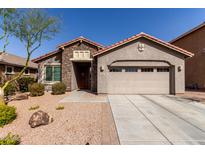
pixel 2 101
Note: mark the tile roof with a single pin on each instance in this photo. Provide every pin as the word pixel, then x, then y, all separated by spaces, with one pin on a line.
pixel 81 38
pixel 45 55
pixel 10 59
pixel 187 33
pixel 149 37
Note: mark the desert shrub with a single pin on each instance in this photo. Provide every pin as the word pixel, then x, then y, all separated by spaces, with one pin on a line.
pixel 58 88
pixel 24 83
pixel 60 107
pixel 10 89
pixel 36 89
pixel 34 107
pixel 10 140
pixel 7 114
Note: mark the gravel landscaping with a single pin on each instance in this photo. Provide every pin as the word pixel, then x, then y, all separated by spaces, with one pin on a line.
pixel 77 123
pixel 197 96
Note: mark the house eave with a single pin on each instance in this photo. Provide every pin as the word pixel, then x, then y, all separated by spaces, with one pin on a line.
pixel 11 64
pixel 143 35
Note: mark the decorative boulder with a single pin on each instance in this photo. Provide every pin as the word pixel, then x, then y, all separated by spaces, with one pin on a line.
pixel 21 96
pixel 40 118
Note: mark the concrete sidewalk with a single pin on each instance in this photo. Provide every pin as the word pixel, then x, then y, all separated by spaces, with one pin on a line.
pixel 157 119
pixel 82 96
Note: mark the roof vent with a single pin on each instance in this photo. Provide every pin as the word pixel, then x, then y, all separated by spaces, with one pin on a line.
pixel 141 47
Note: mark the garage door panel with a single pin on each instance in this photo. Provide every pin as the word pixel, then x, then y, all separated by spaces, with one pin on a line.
pixel 138 83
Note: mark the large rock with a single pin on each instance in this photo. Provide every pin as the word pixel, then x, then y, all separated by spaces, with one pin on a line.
pixel 21 96
pixel 40 118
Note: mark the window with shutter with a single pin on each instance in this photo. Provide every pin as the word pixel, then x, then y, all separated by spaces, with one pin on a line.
pixel 57 73
pixel 49 73
pixel 53 73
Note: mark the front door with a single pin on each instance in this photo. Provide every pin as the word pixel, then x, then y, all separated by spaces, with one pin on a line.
pixel 83 76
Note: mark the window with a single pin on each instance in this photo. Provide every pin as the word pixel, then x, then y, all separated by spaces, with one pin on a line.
pixel 163 69
pixel 57 73
pixel 49 73
pixel 81 54
pixel 147 69
pixel 123 69
pixel 131 69
pixel 9 70
pixel 53 73
pixel 27 72
pixel 115 69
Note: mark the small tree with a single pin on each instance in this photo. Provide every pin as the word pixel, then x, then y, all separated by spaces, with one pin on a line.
pixel 33 26
pixel 8 17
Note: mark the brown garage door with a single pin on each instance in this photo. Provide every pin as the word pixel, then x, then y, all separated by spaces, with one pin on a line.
pixel 138 80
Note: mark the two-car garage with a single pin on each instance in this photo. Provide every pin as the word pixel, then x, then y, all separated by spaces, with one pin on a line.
pixel 140 80
pixel 141 65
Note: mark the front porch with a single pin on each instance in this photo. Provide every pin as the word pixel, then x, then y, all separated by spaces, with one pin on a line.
pixel 84 71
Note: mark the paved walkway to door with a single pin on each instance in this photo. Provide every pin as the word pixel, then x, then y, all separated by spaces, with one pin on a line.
pixel 158 119
pixel 82 96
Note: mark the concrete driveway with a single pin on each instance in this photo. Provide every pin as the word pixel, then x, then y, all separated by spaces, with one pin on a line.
pixel 158 119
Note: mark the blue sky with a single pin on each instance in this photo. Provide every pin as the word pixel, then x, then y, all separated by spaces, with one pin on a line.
pixel 107 26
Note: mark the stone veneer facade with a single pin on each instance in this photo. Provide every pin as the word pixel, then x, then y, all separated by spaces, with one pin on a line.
pixel 55 59
pixel 67 65
pixel 62 58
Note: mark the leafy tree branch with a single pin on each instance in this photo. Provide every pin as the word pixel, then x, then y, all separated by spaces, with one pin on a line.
pixel 8 16
pixel 32 27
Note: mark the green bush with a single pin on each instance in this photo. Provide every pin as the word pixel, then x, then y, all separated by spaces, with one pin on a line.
pixel 58 88
pixel 24 83
pixel 10 89
pixel 7 114
pixel 60 107
pixel 36 89
pixel 34 107
pixel 10 140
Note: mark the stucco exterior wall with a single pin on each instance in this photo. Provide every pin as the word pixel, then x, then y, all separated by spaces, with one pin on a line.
pixel 195 66
pixel 152 52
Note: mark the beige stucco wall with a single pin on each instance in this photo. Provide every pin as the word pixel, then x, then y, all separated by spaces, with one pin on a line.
pixel 152 52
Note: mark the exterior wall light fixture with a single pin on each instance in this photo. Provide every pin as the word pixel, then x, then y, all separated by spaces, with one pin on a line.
pixel 102 68
pixel 179 68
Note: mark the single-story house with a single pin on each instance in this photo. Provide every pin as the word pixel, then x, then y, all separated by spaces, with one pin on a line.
pixel 11 65
pixel 141 64
pixel 194 41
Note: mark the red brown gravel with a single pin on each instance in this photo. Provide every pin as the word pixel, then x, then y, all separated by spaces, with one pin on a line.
pixel 198 96
pixel 77 123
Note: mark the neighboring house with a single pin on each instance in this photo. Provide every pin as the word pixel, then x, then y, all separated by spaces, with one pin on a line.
pixel 194 41
pixel 140 64
pixel 11 65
